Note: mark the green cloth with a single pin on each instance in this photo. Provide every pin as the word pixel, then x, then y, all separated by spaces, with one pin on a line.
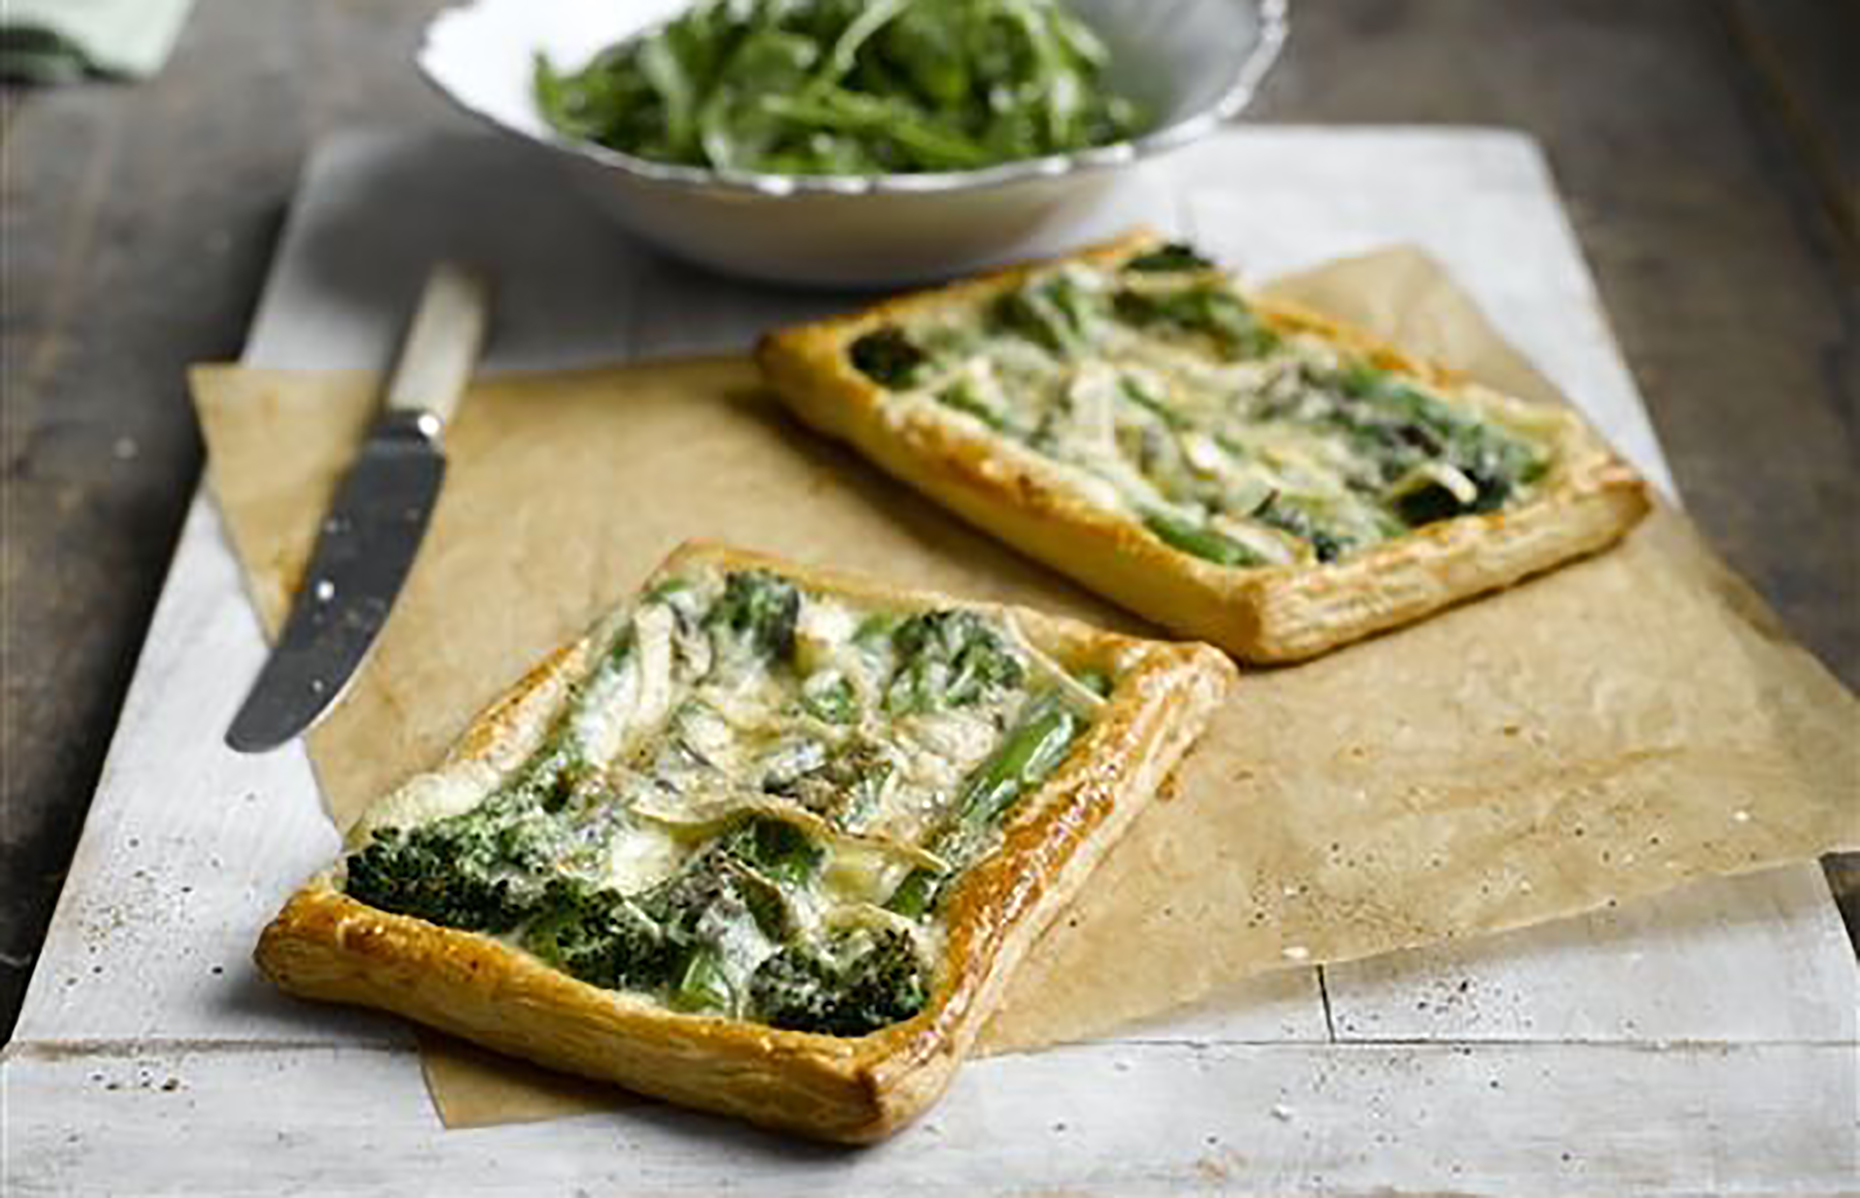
pixel 47 41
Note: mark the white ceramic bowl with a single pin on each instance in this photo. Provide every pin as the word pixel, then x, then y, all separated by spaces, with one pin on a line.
pixel 1194 63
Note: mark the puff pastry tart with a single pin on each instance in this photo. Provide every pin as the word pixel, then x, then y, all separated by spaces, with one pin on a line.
pixel 1233 467
pixel 766 841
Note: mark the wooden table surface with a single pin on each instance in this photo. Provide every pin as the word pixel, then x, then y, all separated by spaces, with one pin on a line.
pixel 1709 151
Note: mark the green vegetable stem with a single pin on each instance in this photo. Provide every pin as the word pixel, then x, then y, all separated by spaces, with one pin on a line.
pixel 1037 743
pixel 1200 541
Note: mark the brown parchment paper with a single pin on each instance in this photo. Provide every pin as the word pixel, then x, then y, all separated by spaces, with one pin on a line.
pixel 1610 730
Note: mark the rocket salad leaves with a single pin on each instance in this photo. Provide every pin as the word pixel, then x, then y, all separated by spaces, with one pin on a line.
pixel 855 87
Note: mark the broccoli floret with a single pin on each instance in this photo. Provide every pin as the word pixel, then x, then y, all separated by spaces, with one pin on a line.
pixel 716 904
pixel 1177 255
pixel 673 937
pixel 552 775
pixel 794 989
pixel 888 357
pixel 599 936
pixel 1054 313
pixel 948 659
pixel 775 849
pixel 467 872
pixel 863 983
pixel 1401 426
pixel 760 610
pixel 885 984
pixel 1202 308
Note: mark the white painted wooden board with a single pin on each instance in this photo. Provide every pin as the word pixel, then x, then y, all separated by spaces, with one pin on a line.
pixel 231 1119
pixel 1699 1042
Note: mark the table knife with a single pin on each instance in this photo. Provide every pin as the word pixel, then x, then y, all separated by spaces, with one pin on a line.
pixel 373 529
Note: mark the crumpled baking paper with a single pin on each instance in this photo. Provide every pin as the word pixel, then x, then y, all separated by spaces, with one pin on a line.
pixel 1611 729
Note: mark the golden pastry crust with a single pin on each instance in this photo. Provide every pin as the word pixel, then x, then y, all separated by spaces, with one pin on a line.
pixel 1589 499
pixel 326 945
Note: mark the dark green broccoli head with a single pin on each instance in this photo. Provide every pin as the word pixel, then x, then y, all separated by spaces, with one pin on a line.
pixel 601 937
pixel 774 848
pixel 463 872
pixel 760 610
pixel 885 983
pixel 716 890
pixel 1053 312
pixel 553 775
pixel 1203 307
pixel 795 989
pixel 1403 426
pixel 864 982
pixel 1175 256
pixel 948 659
pixel 888 357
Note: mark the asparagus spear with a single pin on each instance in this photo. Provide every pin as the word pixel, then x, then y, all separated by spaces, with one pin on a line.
pixel 1037 743
pixel 1202 542
pixel 704 986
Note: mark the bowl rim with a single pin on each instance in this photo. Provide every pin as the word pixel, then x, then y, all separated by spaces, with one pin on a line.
pixel 1248 72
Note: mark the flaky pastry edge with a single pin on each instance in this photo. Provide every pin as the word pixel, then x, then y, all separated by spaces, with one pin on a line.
pixel 1589 500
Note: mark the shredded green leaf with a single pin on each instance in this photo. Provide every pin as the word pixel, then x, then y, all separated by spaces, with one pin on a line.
pixel 810 87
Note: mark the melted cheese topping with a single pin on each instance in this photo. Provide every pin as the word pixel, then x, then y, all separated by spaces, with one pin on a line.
pixel 1159 397
pixel 687 729
pixel 429 797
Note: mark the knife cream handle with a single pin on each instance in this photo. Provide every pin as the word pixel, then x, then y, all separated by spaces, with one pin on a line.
pixel 443 343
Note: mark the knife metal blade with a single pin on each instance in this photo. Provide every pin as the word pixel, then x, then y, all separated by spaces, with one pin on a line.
pixel 372 532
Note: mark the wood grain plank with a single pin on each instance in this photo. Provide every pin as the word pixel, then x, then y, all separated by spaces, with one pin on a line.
pixel 1346 1120
pixel 1798 57
pixel 138 222
pixel 1751 959
pixel 189 847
